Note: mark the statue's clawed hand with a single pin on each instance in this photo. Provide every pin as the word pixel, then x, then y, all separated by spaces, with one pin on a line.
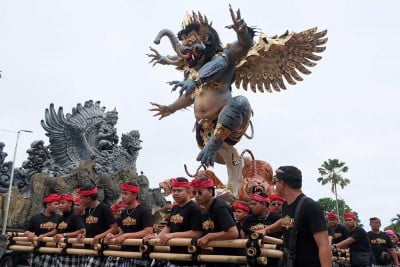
pixel 238 23
pixel 161 110
pixel 157 58
pixel 187 86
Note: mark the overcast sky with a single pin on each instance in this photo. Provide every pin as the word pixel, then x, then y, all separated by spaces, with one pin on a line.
pixel 68 52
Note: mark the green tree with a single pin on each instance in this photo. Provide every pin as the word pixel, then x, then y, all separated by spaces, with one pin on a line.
pixel 328 204
pixel 395 226
pixel 331 172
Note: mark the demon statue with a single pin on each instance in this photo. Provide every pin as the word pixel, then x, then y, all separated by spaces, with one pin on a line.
pixel 209 70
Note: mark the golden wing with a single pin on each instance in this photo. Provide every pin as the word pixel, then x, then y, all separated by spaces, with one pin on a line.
pixel 271 59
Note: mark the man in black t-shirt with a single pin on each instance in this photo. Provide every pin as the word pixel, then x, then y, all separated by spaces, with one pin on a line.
pixel 260 218
pixel 312 242
pixel 240 212
pixel 42 225
pixel 339 231
pixel 381 245
pixel 98 219
pixel 357 242
pixel 135 222
pixel 218 222
pixel 184 220
pixel 69 225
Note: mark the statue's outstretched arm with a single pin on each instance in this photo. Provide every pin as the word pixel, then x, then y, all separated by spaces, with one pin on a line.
pixel 157 58
pixel 164 111
pixel 244 34
pixel 208 72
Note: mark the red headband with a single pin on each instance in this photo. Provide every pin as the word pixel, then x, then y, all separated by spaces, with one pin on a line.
pixel 117 206
pixel 197 183
pixel 240 206
pixel 67 198
pixel 77 200
pixel 85 193
pixel 130 188
pixel 331 216
pixel 276 197
pixel 176 183
pixel 51 198
pixel 257 197
pixel 350 215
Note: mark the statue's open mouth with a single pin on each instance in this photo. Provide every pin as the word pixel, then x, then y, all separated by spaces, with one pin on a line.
pixel 191 55
pixel 257 189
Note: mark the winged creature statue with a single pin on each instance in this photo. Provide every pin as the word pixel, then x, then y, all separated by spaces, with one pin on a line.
pixel 89 133
pixel 209 69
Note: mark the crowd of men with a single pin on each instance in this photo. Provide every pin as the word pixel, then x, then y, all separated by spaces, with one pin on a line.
pixel 309 235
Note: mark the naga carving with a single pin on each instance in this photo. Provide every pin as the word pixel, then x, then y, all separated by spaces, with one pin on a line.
pixel 209 69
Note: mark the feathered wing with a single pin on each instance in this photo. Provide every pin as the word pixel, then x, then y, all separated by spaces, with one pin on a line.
pixel 272 59
pixel 67 134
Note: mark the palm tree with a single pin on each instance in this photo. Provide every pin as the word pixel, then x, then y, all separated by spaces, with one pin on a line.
pixel 396 220
pixel 331 172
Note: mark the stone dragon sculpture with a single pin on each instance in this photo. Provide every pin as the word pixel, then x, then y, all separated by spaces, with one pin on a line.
pixel 209 70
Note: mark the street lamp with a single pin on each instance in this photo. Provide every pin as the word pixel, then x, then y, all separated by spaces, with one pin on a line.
pixel 11 182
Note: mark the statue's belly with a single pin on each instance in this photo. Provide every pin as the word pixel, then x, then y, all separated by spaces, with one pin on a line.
pixel 209 102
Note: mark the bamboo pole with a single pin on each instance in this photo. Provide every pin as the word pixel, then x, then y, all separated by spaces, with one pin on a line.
pixel 127 242
pixel 269 246
pixel 272 240
pixel 179 242
pixel 130 254
pixel 14 234
pixel 271 253
pixel 23 243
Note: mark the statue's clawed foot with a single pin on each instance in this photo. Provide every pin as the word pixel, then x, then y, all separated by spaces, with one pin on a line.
pixel 208 153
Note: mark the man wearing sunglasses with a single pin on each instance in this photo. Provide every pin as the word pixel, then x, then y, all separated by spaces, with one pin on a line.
pixel 260 218
pixel 218 221
pixel 184 220
pixel 276 203
pixel 312 243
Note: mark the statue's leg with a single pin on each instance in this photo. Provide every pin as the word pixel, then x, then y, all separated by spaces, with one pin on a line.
pixel 232 123
pixel 235 176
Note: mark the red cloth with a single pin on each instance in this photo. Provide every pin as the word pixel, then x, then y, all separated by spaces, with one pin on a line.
pixel 67 198
pixel 332 216
pixel 115 207
pixel 85 193
pixel 276 197
pixel 257 197
pixel 351 215
pixel 51 198
pixel 77 199
pixel 130 188
pixel 176 183
pixel 240 206
pixel 197 183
